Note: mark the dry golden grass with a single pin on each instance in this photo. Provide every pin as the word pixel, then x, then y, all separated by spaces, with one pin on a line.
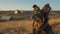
pixel 17 25
pixel 25 26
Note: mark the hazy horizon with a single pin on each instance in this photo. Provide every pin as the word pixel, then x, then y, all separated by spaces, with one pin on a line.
pixel 27 4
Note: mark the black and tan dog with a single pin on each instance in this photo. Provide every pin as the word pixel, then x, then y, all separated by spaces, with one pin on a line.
pixel 40 18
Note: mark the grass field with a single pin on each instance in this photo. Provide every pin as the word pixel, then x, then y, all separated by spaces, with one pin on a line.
pixel 16 16
pixel 25 26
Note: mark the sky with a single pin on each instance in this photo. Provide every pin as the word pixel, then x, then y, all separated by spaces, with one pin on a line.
pixel 27 4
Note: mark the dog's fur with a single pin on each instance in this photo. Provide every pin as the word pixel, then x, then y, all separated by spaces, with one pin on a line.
pixel 37 25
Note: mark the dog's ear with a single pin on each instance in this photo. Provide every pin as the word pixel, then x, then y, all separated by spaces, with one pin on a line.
pixel 46 8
